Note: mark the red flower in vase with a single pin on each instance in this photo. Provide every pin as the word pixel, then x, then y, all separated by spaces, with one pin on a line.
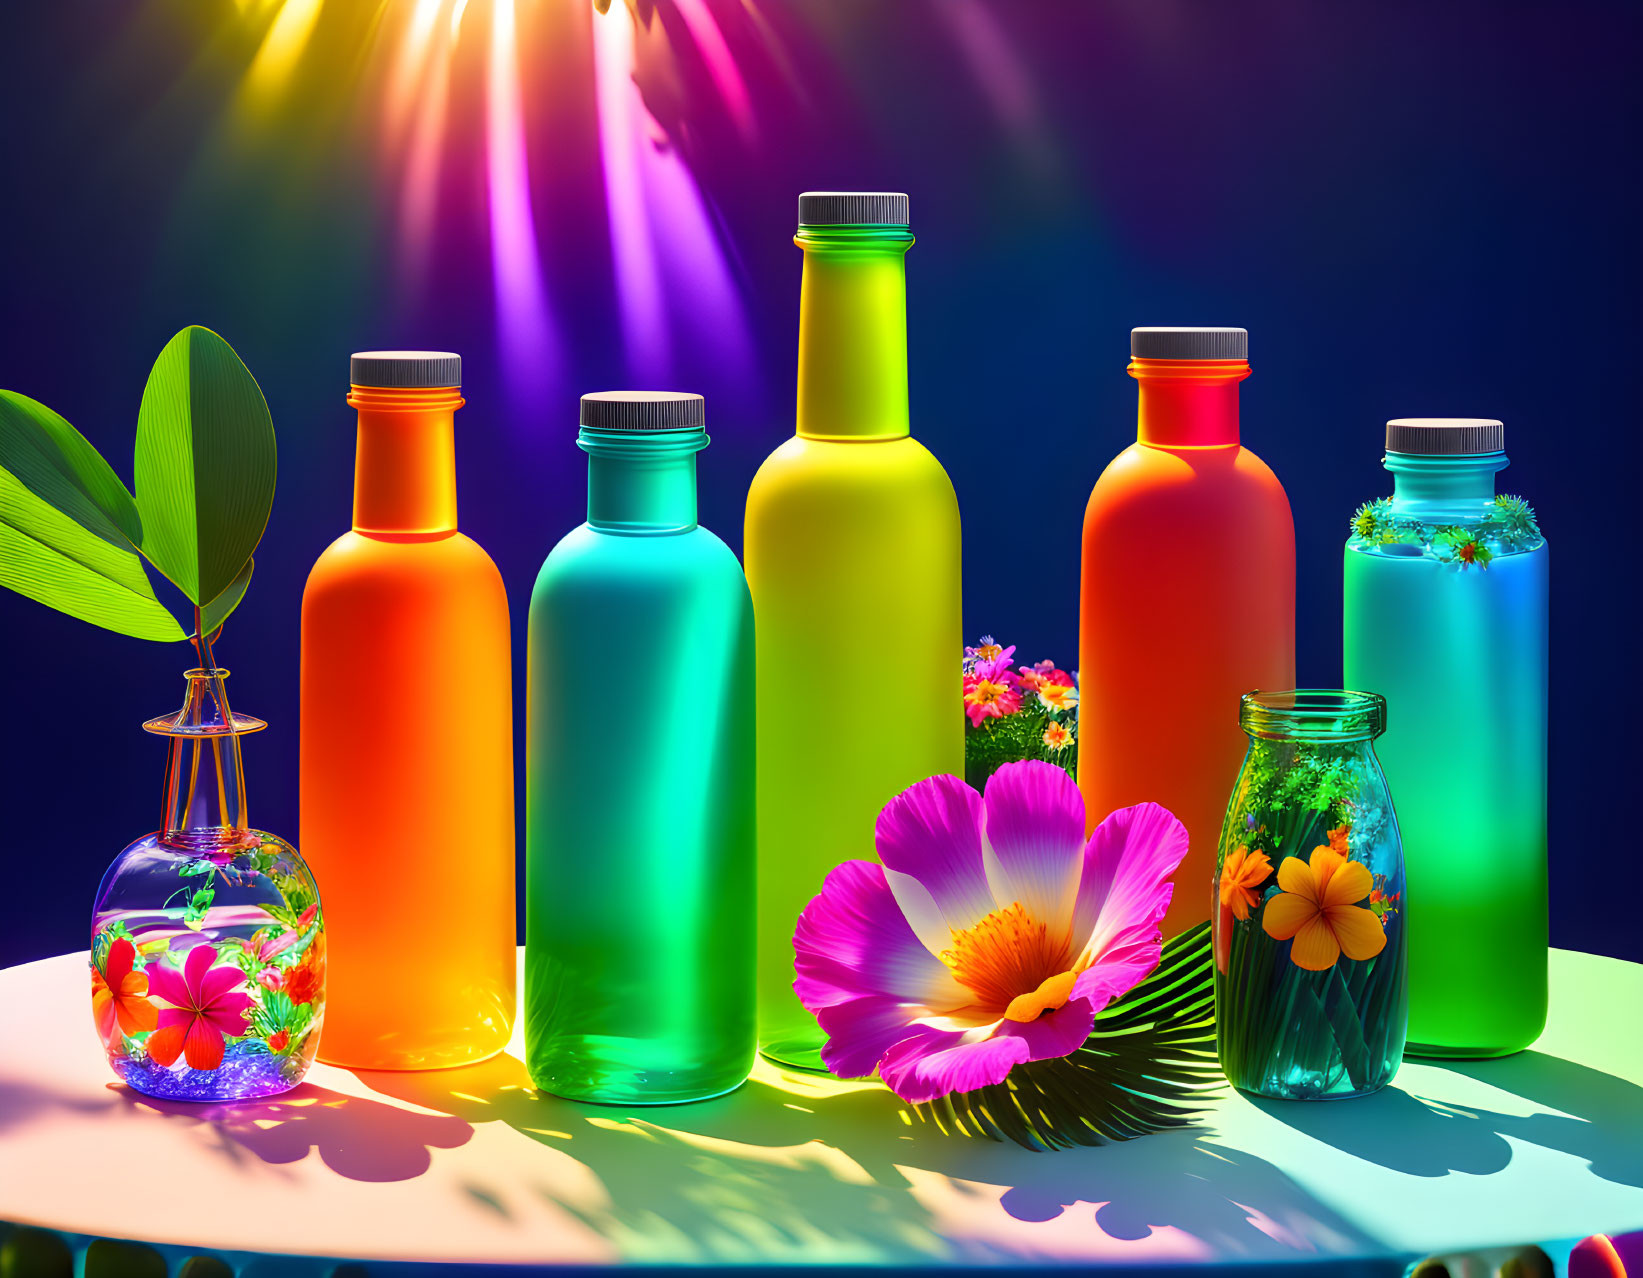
pixel 279 1040
pixel 119 1002
pixel 304 981
pixel 205 1006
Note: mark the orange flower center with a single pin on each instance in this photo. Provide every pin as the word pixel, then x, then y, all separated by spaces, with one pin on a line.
pixel 1012 964
pixel 986 692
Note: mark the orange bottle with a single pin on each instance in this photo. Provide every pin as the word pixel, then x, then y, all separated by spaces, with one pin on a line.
pixel 1187 602
pixel 407 743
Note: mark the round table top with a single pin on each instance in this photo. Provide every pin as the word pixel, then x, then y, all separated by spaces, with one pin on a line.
pixel 473 1165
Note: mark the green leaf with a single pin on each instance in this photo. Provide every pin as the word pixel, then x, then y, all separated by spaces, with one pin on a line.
pixel 57 464
pixel 48 557
pixel 216 612
pixel 199 906
pixel 205 464
pixel 66 524
pixel 1147 1065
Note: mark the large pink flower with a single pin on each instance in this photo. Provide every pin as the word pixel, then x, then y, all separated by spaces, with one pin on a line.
pixel 198 1006
pixel 991 935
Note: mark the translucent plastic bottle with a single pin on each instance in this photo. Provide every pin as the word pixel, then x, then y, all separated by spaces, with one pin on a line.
pixel 852 548
pixel 1188 599
pixel 640 801
pixel 407 743
pixel 1445 615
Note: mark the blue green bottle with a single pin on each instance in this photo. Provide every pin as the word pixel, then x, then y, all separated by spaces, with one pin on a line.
pixel 639 984
pixel 1445 616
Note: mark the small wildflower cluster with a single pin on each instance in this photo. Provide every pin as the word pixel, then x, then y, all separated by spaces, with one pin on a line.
pixel 1506 526
pixel 1016 712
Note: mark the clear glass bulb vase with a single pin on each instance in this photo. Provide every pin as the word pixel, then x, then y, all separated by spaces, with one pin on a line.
pixel 207 938
pixel 1311 991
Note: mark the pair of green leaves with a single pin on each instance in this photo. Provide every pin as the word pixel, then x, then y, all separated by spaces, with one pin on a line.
pixel 73 537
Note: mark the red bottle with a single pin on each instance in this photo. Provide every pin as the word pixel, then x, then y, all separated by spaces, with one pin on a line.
pixel 1187 602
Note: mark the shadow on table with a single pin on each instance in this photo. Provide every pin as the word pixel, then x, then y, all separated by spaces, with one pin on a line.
pixel 22 1103
pixel 796 1169
pixel 357 1138
pixel 1601 1121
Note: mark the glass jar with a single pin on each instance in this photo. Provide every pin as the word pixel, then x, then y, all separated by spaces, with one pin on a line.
pixel 1311 992
pixel 207 939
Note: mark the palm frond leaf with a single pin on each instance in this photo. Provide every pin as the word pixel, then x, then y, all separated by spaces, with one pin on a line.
pixel 1148 1065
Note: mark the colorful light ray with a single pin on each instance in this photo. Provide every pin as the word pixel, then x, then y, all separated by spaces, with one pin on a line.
pixel 530 350
pixel 281 49
pixel 453 98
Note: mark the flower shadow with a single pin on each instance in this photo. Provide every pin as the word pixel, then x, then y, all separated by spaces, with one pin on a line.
pixel 1600 1120
pixel 787 1167
pixel 355 1137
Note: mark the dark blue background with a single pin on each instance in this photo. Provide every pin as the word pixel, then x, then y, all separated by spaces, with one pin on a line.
pixel 1414 209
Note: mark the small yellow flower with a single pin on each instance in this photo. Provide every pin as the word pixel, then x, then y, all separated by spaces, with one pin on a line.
pixel 1057 736
pixel 1318 907
pixel 1057 696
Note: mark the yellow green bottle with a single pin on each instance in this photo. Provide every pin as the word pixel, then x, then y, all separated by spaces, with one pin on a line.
pixel 852 553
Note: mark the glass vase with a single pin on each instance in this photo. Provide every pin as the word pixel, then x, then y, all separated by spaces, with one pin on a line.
pixel 207 938
pixel 1311 993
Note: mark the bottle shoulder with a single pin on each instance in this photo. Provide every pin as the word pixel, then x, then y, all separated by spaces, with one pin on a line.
pixel 589 558
pixel 804 473
pixel 1148 483
pixel 356 560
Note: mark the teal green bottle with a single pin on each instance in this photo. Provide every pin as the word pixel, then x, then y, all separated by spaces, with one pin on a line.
pixel 640 805
pixel 1445 616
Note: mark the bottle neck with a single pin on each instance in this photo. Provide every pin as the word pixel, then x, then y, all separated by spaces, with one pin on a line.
pixel 405 460
pixel 205 806
pixel 853 333
pixel 1188 403
pixel 642 484
pixel 1439 487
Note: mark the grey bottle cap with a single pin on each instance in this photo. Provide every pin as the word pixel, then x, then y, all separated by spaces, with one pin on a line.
pixel 1445 436
pixel 644 410
pixel 853 208
pixel 1189 343
pixel 404 370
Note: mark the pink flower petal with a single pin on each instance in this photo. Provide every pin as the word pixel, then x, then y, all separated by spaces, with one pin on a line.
pixel 195 966
pixel 165 983
pixel 861 1031
pixel 1033 840
pixel 1117 973
pixel 275 946
pixel 230 1014
pixel 218 982
pixel 1055 1034
pixel 930 835
pixel 1125 887
pixel 921 1069
pixel 853 940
